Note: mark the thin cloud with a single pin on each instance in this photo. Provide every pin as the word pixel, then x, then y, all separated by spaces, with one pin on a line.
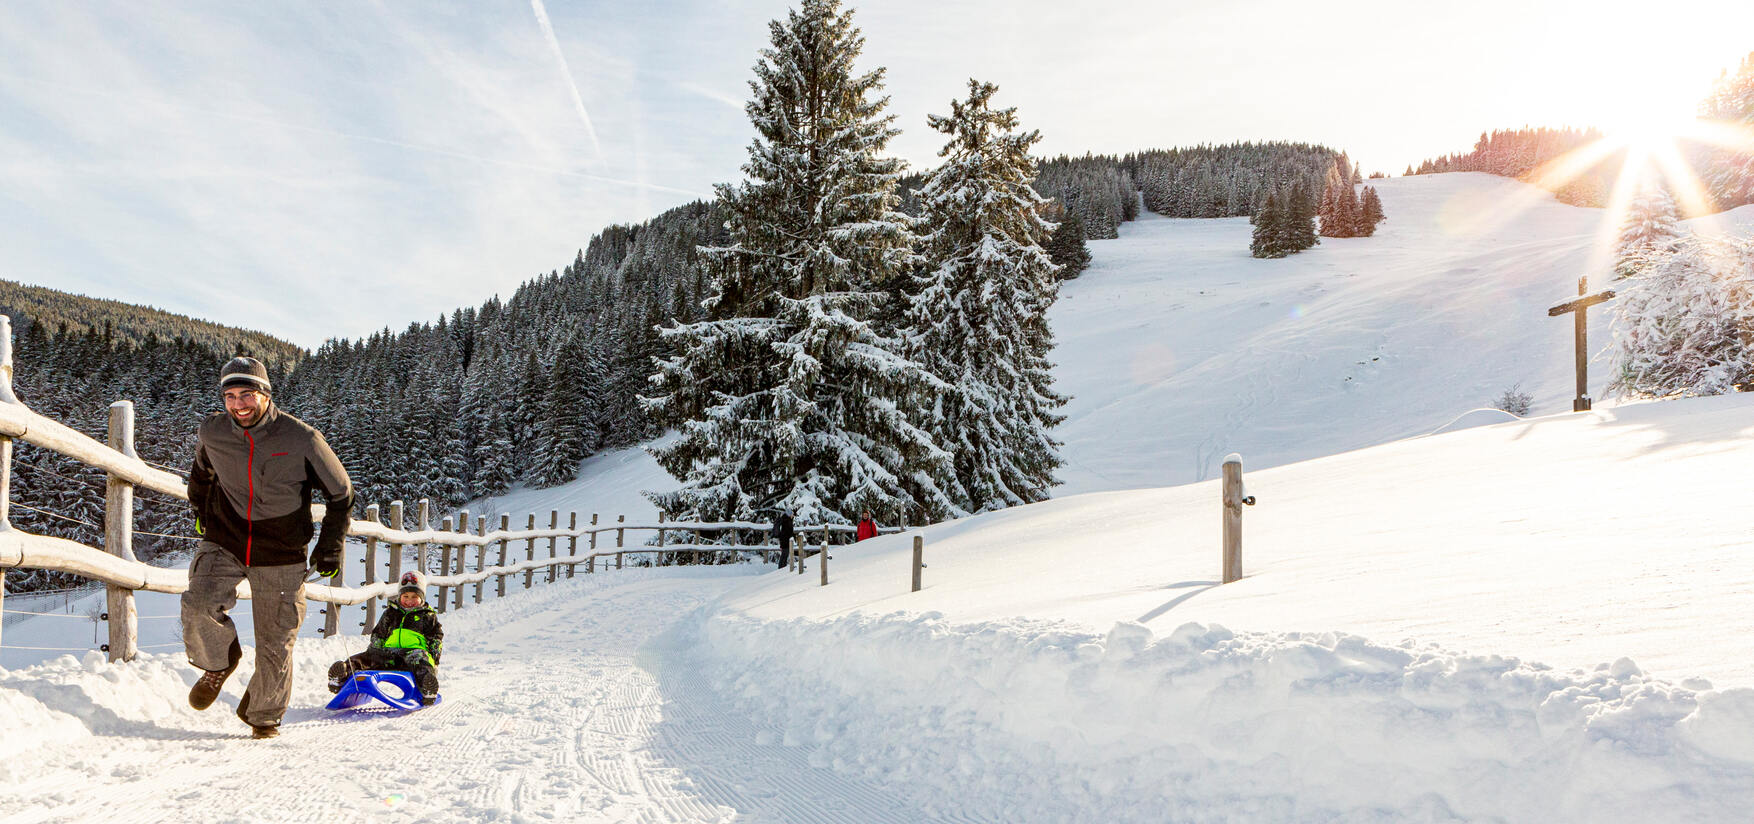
pixel 721 97
pixel 436 150
pixel 578 102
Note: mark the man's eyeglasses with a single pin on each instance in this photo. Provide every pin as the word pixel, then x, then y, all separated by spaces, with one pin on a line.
pixel 243 395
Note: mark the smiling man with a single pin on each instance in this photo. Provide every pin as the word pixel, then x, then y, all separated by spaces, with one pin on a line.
pixel 255 467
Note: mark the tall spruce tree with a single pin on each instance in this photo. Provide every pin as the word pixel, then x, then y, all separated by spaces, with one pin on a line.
pixel 1268 241
pixel 1298 224
pixel 980 319
pixel 1652 226
pixel 788 394
pixel 569 429
pixel 1371 213
pixel 1067 247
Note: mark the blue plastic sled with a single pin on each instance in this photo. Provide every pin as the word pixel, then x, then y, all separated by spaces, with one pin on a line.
pixel 368 684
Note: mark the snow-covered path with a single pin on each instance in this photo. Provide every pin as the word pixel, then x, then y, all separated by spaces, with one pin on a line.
pixel 555 711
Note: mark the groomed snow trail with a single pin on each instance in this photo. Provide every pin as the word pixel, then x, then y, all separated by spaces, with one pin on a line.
pixel 553 711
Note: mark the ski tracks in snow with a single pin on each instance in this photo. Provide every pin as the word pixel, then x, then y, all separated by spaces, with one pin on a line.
pixel 570 703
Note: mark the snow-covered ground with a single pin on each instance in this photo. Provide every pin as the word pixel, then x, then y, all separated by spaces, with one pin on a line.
pixel 1532 620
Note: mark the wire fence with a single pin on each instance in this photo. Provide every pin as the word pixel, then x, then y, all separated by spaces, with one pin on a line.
pixel 99 528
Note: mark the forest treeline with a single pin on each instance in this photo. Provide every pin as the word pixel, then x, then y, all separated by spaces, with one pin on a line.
pixel 126 322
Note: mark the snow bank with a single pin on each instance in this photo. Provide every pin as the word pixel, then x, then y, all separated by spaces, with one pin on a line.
pixel 1029 720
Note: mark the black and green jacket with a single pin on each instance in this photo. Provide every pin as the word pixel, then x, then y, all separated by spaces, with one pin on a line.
pixel 416 628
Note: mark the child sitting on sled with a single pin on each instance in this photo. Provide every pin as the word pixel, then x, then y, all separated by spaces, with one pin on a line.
pixel 408 637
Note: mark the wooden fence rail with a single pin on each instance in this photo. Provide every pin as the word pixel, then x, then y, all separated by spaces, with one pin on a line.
pixel 444 550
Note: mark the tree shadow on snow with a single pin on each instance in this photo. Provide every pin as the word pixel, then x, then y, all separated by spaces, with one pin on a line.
pixel 1179 599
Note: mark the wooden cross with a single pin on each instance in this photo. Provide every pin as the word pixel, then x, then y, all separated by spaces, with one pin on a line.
pixel 1576 307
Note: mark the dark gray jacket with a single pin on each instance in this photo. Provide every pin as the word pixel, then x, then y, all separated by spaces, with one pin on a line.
pixel 251 488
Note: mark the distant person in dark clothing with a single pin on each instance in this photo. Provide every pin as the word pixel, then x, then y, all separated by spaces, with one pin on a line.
pixel 782 534
pixel 867 527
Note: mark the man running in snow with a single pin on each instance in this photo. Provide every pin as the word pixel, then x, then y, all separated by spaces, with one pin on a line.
pixel 250 486
pixel 408 637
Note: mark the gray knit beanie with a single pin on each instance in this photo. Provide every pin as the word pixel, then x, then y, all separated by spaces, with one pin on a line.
pixel 242 371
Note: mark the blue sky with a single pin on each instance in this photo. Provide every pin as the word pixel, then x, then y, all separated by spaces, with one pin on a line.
pixel 324 169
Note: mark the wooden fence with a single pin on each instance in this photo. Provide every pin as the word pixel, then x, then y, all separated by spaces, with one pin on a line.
pixel 445 550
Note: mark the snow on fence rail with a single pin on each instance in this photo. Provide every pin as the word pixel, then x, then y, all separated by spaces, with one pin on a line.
pixel 123 574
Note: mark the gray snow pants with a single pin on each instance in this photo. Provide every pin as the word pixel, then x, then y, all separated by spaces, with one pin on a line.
pixel 277 608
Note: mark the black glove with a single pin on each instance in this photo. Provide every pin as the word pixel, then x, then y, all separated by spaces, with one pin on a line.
pixel 327 564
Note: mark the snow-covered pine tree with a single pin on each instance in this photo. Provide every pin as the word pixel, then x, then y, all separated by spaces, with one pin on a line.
pixel 1684 324
pixel 486 407
pixel 1370 212
pixel 1067 247
pixel 1652 225
pixel 787 394
pixel 1269 222
pixel 1340 213
pixel 979 321
pixel 570 430
pixel 1297 229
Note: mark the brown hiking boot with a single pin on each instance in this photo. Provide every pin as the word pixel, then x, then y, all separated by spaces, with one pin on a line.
pixel 207 687
pixel 269 731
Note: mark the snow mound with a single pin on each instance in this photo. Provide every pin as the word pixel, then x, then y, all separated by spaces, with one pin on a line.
pixel 1026 720
pixel 1476 417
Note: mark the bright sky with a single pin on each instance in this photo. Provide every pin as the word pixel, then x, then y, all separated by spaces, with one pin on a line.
pixel 327 169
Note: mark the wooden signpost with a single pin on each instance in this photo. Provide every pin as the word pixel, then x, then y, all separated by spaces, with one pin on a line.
pixel 1577 309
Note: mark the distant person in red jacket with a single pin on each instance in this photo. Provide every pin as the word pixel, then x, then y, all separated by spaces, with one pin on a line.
pixel 867 527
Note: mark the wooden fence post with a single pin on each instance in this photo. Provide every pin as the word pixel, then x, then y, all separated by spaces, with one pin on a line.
pixel 619 533
pixel 1235 498
pixel 371 572
pixel 553 545
pixel 396 546
pixel 444 553
pixel 919 559
pixel 5 443
pixel 5 496
pixel 421 562
pixel 530 552
pixel 822 562
pixel 661 531
pixel 124 619
pixel 572 543
pixel 332 612
pixel 480 557
pixel 505 525
pixel 591 566
pixel 462 559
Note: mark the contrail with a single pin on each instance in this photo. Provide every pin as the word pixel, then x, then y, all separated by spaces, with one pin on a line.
pixel 277 124
pixel 577 101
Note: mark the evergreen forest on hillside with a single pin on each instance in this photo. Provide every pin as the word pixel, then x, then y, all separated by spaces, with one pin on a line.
pixel 136 325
